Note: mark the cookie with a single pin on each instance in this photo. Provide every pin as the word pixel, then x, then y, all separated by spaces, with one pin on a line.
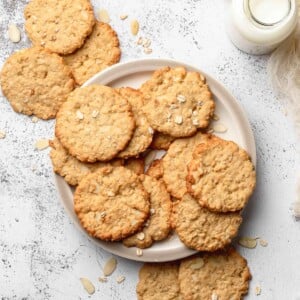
pixel 155 170
pixel 59 25
pixel 221 176
pixel 175 163
pixel 137 165
pixel 158 281
pixel 36 82
pixel 161 141
pixel 224 275
pixel 71 168
pixel 95 123
pixel 203 230
pixel 143 133
pixel 111 203
pixel 100 50
pixel 177 102
pixel 158 225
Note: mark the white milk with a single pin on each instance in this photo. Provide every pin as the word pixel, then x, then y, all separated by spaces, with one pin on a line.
pixel 259 26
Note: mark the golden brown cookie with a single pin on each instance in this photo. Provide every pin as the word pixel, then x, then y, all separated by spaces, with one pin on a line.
pixel 177 102
pixel 143 133
pixel 158 225
pixel 203 230
pixel 221 176
pixel 59 25
pixel 158 282
pixel 95 123
pixel 176 160
pixel 111 203
pixel 71 168
pixel 100 50
pixel 161 141
pixel 222 276
pixel 36 82
pixel 155 170
pixel 137 165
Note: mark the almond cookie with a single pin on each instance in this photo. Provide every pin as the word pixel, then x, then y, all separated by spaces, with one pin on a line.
pixel 59 25
pixel 221 176
pixel 158 281
pixel 143 133
pixel 177 102
pixel 137 165
pixel 203 230
pixel 222 276
pixel 161 141
pixel 175 163
pixel 95 123
pixel 70 167
pixel 100 50
pixel 158 225
pixel 111 203
pixel 36 82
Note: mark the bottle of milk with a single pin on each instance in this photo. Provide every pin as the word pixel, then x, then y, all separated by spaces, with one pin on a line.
pixel 259 26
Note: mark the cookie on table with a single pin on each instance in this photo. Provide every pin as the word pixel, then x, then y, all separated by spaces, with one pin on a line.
pixel 158 225
pixel 70 167
pixel 142 136
pixel 158 281
pixel 161 141
pixel 175 163
pixel 203 230
pixel 59 25
pixel 95 123
pixel 137 165
pixel 111 203
pixel 155 170
pixel 36 82
pixel 100 50
pixel 222 275
pixel 177 102
pixel 221 176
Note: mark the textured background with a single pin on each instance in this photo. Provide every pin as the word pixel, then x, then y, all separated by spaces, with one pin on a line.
pixel 42 255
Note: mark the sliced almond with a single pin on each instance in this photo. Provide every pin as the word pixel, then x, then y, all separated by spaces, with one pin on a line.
pixel 2 134
pixel 134 27
pixel 248 242
pixel 42 144
pixel 88 286
pixel 14 33
pixel 103 16
pixel 257 290
pixel 123 17
pixel 120 279
pixel 34 119
pixel 263 243
pixel 110 266
pixel 199 263
pixel 220 128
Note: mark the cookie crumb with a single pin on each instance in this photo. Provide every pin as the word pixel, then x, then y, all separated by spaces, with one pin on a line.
pixel 102 279
pixel 123 17
pixel 248 242
pixel 263 243
pixel 120 279
pixel 103 16
pixel 14 33
pixel 134 27
pixel 147 50
pixel 2 134
pixel 34 119
pixel 88 286
pixel 257 290
pixel 139 252
pixel 220 128
pixel 216 117
pixel 42 144
pixel 140 236
pixel 110 266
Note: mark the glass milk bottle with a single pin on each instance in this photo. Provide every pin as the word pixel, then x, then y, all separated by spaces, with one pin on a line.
pixel 259 26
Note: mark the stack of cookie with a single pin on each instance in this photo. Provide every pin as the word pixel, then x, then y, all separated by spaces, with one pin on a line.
pixel 69 46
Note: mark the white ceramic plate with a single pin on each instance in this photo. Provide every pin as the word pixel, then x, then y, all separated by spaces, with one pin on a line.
pixel 231 114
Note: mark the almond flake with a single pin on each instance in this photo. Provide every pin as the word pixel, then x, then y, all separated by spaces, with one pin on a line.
pixel 2 134
pixel 14 33
pixel 257 290
pixel 103 16
pixel 198 264
pixel 134 27
pixel 248 242
pixel 152 211
pixel 120 279
pixel 178 120
pixel 34 119
pixel 263 243
pixel 88 286
pixel 79 115
pixel 150 130
pixel 220 128
pixel 42 144
pixel 181 98
pixel 147 50
pixel 102 279
pixel 95 113
pixel 216 117
pixel 123 17
pixel 214 296
pixel 110 266
pixel 140 236
pixel 139 252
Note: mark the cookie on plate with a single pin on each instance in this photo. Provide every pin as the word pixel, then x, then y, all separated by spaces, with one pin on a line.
pixel 158 281
pixel 221 176
pixel 177 102
pixel 175 163
pixel 203 230
pixel 137 165
pixel 36 82
pixel 95 123
pixel 111 203
pixel 100 50
pixel 70 167
pixel 158 225
pixel 161 141
pixel 59 25
pixel 142 136
pixel 222 275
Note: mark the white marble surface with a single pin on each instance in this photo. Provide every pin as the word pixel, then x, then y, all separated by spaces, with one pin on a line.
pixel 42 254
